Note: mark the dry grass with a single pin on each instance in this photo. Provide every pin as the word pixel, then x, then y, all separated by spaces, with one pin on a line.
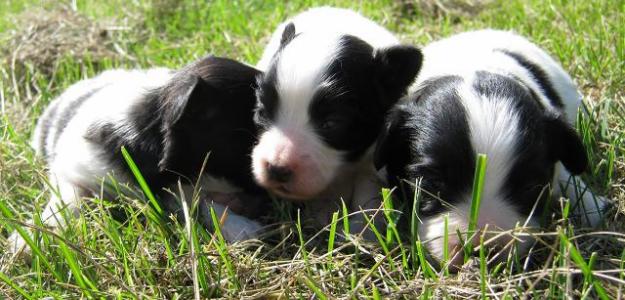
pixel 42 38
pixel 438 9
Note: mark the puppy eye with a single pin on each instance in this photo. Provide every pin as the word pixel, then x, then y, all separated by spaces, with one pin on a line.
pixel 329 124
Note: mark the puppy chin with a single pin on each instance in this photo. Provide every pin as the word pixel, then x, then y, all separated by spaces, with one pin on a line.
pixel 500 238
pixel 293 197
pixel 297 191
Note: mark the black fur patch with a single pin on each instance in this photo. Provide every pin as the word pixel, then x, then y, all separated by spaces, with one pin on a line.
pixel 541 78
pixel 287 35
pixel 216 121
pixel 145 148
pixel 348 113
pixel 267 98
pixel 431 142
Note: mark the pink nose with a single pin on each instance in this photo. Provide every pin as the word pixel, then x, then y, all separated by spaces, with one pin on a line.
pixel 279 174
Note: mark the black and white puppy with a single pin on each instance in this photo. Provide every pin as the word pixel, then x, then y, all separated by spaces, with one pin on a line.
pixel 169 122
pixel 330 75
pixel 496 93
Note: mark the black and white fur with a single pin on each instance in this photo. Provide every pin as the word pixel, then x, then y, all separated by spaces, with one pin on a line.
pixel 169 122
pixel 330 75
pixel 496 93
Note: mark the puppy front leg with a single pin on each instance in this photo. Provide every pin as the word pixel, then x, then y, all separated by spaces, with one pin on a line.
pixel 361 195
pixel 235 227
pixel 367 201
pixel 587 206
pixel 66 198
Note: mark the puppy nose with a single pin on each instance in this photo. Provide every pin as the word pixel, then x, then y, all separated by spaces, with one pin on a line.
pixel 279 174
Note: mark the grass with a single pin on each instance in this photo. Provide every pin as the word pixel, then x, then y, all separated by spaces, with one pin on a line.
pixel 101 257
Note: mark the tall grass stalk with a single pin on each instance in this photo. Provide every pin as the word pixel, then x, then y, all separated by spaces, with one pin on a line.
pixel 476 198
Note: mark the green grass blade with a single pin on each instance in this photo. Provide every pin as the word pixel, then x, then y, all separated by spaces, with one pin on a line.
pixel 375 294
pixel 476 198
pixel 302 243
pixel 483 270
pixel 158 214
pixel 142 183
pixel 425 266
pixel 586 270
pixel 314 288
pixel 346 229
pixel 30 242
pixel 84 282
pixel 332 234
pixel 445 244
pixel 381 241
pixel 414 222
pixel 4 278
pixel 221 246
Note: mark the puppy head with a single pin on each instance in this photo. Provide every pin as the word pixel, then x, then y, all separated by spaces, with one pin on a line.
pixel 436 136
pixel 321 106
pixel 207 107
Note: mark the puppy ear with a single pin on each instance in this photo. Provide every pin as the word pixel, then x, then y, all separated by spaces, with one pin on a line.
pixel 398 67
pixel 288 34
pixel 566 145
pixel 385 145
pixel 181 103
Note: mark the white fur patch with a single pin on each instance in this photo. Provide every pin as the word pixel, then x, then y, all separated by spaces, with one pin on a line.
pixel 330 21
pixel 499 227
pixel 494 130
pixel 480 51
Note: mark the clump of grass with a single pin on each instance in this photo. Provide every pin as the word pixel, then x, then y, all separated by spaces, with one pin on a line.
pixel 44 37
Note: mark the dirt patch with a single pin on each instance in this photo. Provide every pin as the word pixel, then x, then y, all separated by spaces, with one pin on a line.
pixel 455 9
pixel 41 38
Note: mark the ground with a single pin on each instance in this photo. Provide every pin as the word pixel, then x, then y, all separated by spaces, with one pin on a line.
pixel 46 46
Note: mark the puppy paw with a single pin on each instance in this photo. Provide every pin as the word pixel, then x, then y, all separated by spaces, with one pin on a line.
pixel 17 246
pixel 237 228
pixel 590 210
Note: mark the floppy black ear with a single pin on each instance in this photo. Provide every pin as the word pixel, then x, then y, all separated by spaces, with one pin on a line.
pixel 385 145
pixel 182 99
pixel 566 145
pixel 397 67
pixel 181 103
pixel 288 34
